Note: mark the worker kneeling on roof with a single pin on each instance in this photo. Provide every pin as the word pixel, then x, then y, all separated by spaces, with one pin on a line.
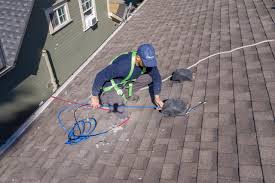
pixel 114 84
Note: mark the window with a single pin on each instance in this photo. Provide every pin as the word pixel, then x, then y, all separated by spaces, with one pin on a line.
pixel 88 13
pixel 58 16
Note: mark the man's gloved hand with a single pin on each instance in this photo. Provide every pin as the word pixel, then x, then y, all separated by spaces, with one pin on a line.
pixel 95 102
pixel 158 102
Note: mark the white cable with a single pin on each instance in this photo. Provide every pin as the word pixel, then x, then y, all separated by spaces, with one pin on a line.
pixel 215 54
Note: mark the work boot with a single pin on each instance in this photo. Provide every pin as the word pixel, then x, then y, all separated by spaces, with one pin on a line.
pixel 133 98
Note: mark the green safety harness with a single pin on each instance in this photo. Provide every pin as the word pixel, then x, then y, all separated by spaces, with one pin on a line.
pixel 126 82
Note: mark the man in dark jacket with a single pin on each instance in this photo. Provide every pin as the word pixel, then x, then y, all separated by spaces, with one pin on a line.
pixel 110 83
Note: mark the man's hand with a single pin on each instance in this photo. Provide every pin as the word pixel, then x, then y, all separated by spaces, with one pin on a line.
pixel 95 102
pixel 158 102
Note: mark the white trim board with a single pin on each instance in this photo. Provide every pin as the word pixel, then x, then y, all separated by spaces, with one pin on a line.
pixel 31 119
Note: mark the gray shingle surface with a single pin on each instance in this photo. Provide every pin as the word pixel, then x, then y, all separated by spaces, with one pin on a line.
pixel 14 16
pixel 229 139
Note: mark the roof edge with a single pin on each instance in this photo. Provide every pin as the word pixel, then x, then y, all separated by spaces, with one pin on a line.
pixel 3 64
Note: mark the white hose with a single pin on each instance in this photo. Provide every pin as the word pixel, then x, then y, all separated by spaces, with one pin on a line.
pixel 215 54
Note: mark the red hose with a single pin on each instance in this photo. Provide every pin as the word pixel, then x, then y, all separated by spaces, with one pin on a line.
pixel 88 105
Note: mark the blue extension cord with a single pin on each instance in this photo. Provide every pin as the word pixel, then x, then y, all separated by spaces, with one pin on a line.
pixel 84 128
pixel 81 130
pixel 129 106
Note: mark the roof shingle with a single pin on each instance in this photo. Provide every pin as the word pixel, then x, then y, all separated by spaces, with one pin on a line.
pixel 229 139
pixel 14 16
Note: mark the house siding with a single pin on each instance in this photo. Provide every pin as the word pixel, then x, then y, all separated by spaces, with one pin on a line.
pixel 70 46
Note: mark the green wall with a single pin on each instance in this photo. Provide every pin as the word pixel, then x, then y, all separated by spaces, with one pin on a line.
pixel 70 46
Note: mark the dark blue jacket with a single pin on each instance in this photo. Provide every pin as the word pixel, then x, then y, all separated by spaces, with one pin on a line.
pixel 119 70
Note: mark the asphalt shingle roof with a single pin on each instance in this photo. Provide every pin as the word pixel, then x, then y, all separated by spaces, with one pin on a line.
pixel 14 16
pixel 229 139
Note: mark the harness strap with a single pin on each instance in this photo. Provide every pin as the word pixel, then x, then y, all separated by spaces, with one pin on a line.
pixel 125 82
pixel 133 62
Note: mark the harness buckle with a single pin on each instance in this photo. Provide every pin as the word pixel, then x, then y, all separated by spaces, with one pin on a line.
pixel 119 91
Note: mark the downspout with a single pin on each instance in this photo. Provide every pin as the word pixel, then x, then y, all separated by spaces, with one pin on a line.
pixel 50 69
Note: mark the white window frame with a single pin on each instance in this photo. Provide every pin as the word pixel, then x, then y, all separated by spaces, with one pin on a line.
pixel 59 4
pixel 85 28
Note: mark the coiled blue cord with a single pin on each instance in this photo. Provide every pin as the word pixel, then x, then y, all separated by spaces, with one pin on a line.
pixel 84 133
pixel 81 130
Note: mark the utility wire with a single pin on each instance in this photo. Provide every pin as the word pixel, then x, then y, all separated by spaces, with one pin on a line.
pixel 215 54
